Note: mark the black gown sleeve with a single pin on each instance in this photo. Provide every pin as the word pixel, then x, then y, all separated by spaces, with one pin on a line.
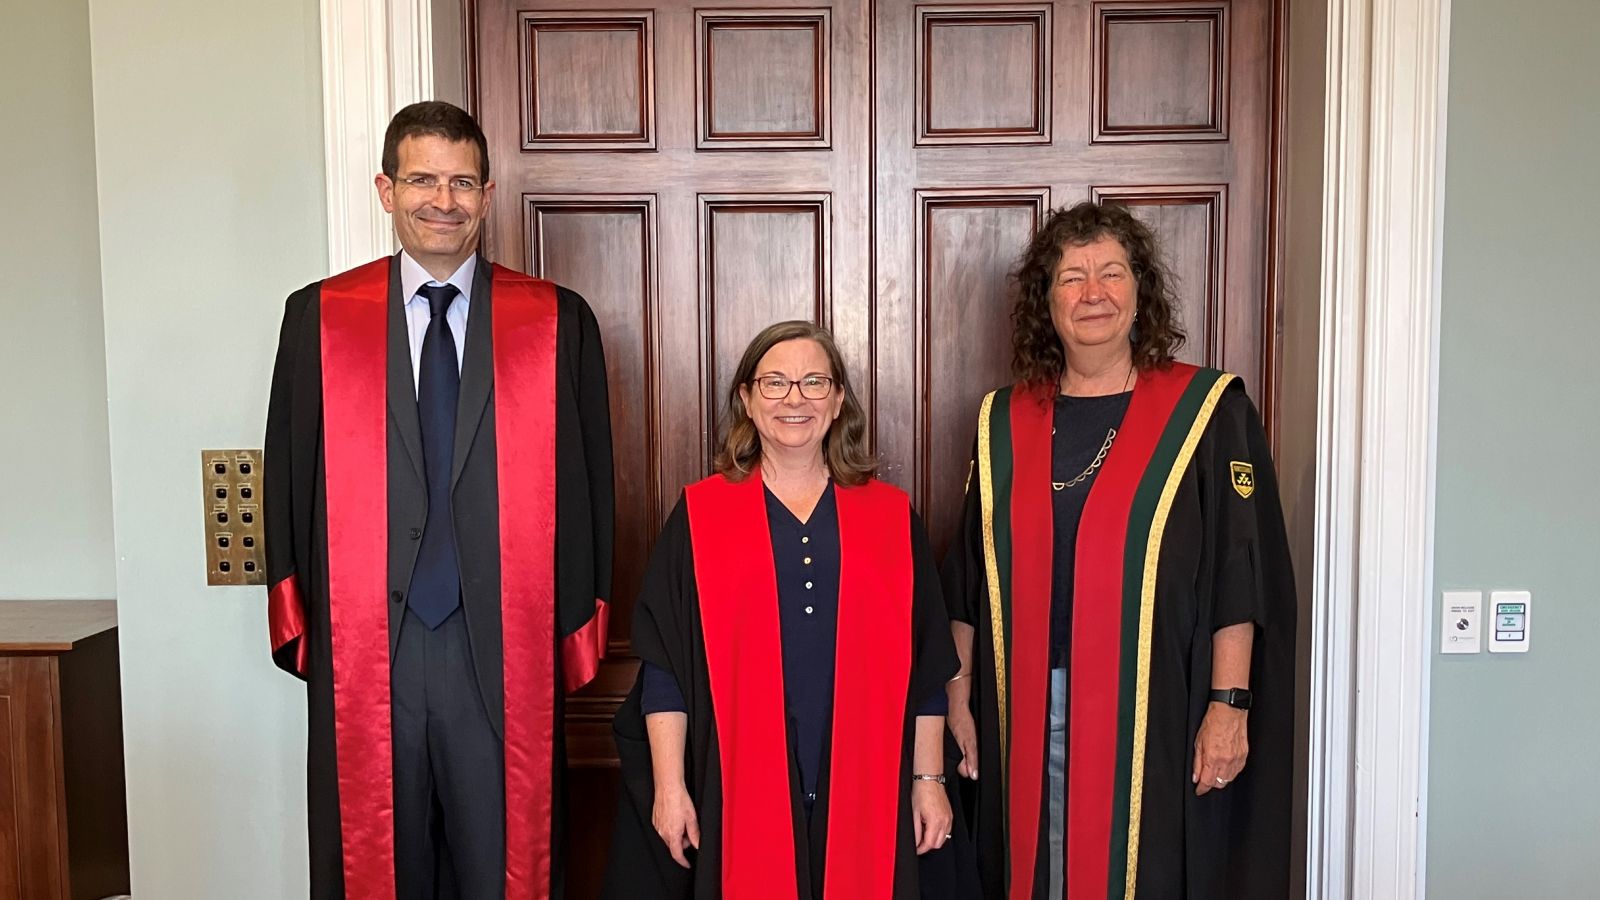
pixel 949 873
pixel 594 409
pixel 585 494
pixel 662 632
pixel 963 576
pixel 933 654
pixel 277 489
pixel 1253 581
pixel 1246 515
pixel 640 868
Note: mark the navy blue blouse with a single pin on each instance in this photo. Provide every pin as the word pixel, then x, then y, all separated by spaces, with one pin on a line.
pixel 805 556
pixel 1078 435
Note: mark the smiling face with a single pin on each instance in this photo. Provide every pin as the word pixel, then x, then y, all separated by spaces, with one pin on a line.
pixel 438 227
pixel 1094 295
pixel 793 422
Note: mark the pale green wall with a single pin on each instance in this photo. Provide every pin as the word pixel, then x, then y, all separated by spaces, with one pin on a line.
pixel 55 466
pixel 208 131
pixel 1514 747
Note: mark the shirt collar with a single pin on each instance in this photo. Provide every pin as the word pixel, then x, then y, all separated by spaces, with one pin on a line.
pixel 821 515
pixel 414 276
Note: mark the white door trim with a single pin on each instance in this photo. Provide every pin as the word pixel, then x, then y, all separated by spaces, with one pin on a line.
pixel 377 56
pixel 1382 232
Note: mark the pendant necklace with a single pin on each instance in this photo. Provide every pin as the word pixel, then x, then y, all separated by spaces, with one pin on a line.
pixel 1105 448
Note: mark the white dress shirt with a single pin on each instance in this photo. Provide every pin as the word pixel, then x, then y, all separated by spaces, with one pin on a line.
pixel 412 277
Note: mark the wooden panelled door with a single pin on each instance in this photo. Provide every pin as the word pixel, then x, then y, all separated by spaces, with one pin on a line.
pixel 698 172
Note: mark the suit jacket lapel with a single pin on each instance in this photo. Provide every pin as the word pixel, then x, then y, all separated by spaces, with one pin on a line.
pixel 477 367
pixel 402 384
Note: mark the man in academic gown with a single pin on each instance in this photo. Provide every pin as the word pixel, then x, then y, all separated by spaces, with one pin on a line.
pixel 438 512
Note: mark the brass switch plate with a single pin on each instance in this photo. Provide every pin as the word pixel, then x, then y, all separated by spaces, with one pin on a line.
pixel 235 552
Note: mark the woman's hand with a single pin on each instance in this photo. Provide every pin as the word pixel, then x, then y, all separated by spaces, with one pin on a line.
pixel 958 691
pixel 930 815
pixel 1220 748
pixel 674 819
pixel 965 730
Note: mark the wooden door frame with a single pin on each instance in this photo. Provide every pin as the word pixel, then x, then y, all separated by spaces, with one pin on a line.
pixel 1383 158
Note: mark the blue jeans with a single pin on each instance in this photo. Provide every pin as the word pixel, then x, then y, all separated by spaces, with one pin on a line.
pixel 1056 769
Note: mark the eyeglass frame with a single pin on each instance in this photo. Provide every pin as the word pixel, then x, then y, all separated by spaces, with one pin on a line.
pixel 793 383
pixel 422 183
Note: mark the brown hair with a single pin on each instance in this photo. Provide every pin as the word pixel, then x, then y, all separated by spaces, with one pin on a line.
pixel 1037 356
pixel 845 445
pixel 432 118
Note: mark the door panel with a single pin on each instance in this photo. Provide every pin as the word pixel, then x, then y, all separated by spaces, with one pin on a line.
pixel 1188 220
pixel 764 260
pixel 602 247
pixel 966 243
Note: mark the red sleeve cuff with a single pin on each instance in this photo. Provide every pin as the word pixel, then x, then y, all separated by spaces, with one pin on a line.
pixel 286 624
pixel 582 650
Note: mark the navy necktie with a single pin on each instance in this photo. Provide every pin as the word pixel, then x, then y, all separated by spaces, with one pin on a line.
pixel 436 579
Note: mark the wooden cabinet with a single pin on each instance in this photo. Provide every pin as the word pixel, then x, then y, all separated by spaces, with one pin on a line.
pixel 63 807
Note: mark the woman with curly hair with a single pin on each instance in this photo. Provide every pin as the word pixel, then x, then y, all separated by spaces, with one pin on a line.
pixel 1121 597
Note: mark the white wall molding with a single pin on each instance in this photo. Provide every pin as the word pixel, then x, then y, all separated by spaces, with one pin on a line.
pixel 1382 225
pixel 377 56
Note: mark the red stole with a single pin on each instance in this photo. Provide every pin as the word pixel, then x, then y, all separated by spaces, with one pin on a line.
pixel 354 386
pixel 738 588
pixel 1114 554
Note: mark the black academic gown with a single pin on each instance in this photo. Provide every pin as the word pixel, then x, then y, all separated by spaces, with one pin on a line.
pixel 1224 560
pixel 296 533
pixel 667 633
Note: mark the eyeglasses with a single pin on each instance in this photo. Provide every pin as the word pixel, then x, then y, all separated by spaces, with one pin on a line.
pixel 428 184
pixel 812 387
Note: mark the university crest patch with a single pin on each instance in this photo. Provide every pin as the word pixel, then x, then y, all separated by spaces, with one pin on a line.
pixel 1244 478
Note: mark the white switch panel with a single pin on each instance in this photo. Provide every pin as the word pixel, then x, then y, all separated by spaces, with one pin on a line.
pixel 1511 625
pixel 1462 616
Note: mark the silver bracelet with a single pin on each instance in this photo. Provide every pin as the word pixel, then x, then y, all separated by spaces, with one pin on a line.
pixel 935 778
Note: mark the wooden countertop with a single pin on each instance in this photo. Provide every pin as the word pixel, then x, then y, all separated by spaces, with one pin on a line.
pixel 52 626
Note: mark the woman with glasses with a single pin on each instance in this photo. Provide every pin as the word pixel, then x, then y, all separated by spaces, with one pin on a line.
pixel 784 739
pixel 1122 598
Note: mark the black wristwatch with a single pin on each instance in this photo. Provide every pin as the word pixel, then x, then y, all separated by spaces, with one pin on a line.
pixel 1238 698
